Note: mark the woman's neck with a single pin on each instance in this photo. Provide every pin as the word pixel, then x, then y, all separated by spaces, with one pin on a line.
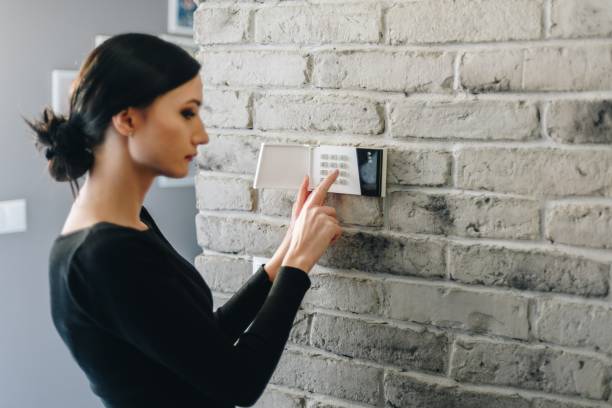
pixel 114 189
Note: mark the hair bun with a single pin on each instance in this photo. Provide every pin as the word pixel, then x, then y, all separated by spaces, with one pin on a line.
pixel 66 144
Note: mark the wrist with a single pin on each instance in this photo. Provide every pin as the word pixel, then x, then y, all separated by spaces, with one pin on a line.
pixel 296 261
pixel 271 268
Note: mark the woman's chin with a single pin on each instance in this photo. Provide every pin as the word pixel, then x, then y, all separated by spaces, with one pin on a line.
pixel 177 174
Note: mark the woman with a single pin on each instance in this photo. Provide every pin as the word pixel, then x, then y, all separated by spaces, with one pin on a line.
pixel 135 315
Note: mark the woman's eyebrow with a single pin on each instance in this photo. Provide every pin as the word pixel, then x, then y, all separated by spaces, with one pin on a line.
pixel 197 101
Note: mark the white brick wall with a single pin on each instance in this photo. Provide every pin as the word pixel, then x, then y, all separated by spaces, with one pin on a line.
pixel 483 278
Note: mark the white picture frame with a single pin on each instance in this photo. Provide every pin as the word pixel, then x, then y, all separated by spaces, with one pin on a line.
pixel 180 16
pixel 61 81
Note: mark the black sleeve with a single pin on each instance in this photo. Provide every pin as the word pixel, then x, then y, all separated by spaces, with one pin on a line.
pixel 235 315
pixel 142 299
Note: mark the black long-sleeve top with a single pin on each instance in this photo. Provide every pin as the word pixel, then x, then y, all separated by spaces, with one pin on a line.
pixel 139 321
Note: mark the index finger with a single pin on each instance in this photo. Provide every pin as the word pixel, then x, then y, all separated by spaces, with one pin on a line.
pixel 317 197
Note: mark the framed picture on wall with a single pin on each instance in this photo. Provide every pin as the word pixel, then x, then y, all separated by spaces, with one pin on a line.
pixel 180 16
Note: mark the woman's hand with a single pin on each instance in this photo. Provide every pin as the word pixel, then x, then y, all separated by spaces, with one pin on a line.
pixel 315 229
pixel 302 195
pixel 274 263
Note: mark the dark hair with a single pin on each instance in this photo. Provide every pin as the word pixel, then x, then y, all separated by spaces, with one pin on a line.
pixel 126 70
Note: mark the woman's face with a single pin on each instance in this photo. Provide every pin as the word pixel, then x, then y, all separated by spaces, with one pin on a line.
pixel 171 131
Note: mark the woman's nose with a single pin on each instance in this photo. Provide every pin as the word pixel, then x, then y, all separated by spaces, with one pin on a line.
pixel 203 135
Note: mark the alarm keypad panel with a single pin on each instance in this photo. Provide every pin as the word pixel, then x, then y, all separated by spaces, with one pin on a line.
pixel 362 170
pixel 326 159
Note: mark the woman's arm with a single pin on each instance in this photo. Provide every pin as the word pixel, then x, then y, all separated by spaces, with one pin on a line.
pixel 235 315
pixel 137 295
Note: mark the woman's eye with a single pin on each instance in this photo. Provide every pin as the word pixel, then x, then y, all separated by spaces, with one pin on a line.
pixel 188 114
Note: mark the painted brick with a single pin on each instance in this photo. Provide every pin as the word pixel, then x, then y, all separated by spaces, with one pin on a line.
pixel 225 109
pixel 474 216
pixel 327 375
pixel 238 235
pixel 384 71
pixel 318 113
pixel 381 343
pixel 581 18
pixel 538 270
pixel 228 68
pixel 318 23
pixel 492 71
pixel 409 391
pixel 274 398
pixel 477 311
pixel 580 68
pixel 385 253
pixel 530 367
pixel 300 330
pixel 484 120
pixel 436 21
pixel 345 294
pixel 554 403
pixel 224 192
pixel 571 68
pixel 580 121
pixel 230 153
pixel 419 166
pixel 580 224
pixel 221 25
pixel 537 172
pixel 575 324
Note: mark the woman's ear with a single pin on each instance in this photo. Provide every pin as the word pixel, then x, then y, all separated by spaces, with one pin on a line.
pixel 122 122
pixel 127 121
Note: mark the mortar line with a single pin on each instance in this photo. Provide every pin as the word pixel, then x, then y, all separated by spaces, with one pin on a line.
pixel 403 143
pixel 400 96
pixel 408 48
pixel 547 19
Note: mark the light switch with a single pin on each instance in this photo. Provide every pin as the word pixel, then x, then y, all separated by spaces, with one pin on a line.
pixel 362 169
pixel 12 216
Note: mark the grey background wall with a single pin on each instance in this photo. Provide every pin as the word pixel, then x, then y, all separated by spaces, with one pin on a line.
pixel 483 278
pixel 36 369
